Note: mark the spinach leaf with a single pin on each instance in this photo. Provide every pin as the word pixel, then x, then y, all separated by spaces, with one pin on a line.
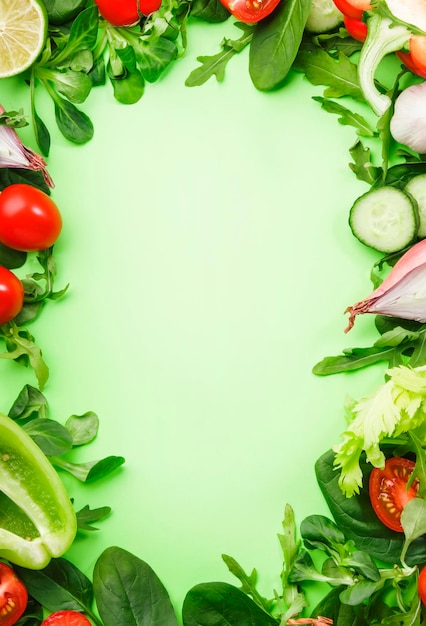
pixel 128 591
pixel 209 10
pixel 356 519
pixel 59 586
pixel 220 604
pixel 61 11
pixel 275 43
pixel 341 614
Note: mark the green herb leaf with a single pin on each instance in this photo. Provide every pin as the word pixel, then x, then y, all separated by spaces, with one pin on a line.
pixel 347 117
pixel 59 586
pixel 209 10
pixel 90 471
pixel 275 44
pixel 128 591
pixel 128 88
pixel 220 603
pixel 216 65
pixel 154 56
pixel 82 36
pixel 87 516
pixel 12 259
pixel 22 349
pixel 340 75
pixel 29 403
pixel 248 582
pixel 75 125
pixel 49 435
pixel 362 166
pixel 82 428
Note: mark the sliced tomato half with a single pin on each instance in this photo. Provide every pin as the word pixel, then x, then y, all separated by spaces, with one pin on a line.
pixel 250 11
pixel 389 491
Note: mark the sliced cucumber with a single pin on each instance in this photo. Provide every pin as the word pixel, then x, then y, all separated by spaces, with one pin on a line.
pixel 385 219
pixel 417 188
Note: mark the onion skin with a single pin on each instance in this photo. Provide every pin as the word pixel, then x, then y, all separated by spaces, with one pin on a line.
pixel 397 287
pixel 408 123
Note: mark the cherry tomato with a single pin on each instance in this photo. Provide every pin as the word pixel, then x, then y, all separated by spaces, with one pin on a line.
pixel 418 53
pixel 353 8
pixel 13 596
pixel 421 585
pixel 66 618
pixel 356 28
pixel 29 219
pixel 11 299
pixel 389 493
pixel 407 59
pixel 126 12
pixel 250 11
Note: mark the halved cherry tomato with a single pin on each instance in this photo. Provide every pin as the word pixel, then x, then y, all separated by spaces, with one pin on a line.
pixel 66 618
pixel 126 12
pixel 417 46
pixel 11 299
pixel 250 11
pixel 29 219
pixel 356 28
pixel 407 59
pixel 13 596
pixel 353 8
pixel 421 585
pixel 389 493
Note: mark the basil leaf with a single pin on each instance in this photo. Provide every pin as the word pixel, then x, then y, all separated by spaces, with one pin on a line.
pixel 9 176
pixel 128 591
pixel 275 43
pixel 49 435
pixel 59 586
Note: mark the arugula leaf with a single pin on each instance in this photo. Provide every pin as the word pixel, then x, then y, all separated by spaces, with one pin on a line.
pixel 128 591
pixel 22 349
pixel 362 166
pixel 347 117
pixel 87 516
pixel 248 583
pixel 216 65
pixel 339 75
pixel 275 43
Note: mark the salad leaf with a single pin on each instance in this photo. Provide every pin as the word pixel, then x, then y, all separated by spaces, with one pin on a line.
pixel 128 591
pixel 275 44
pixel 392 410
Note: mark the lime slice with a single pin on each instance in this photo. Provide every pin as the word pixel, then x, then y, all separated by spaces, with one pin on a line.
pixel 23 28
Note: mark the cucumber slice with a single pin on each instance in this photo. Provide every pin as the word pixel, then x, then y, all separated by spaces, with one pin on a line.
pixel 385 219
pixel 417 188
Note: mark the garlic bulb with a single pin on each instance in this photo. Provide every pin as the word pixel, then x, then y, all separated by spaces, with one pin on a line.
pixel 408 123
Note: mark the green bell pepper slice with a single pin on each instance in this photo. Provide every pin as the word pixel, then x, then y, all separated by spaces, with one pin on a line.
pixel 37 519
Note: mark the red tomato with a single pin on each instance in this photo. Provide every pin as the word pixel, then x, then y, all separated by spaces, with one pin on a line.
pixel 389 493
pixel 353 8
pixel 407 59
pixel 126 12
pixel 422 585
pixel 250 11
pixel 66 618
pixel 13 596
pixel 11 303
pixel 418 53
pixel 29 219
pixel 356 28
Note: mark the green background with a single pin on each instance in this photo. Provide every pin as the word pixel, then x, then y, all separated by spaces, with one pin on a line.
pixel 210 263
